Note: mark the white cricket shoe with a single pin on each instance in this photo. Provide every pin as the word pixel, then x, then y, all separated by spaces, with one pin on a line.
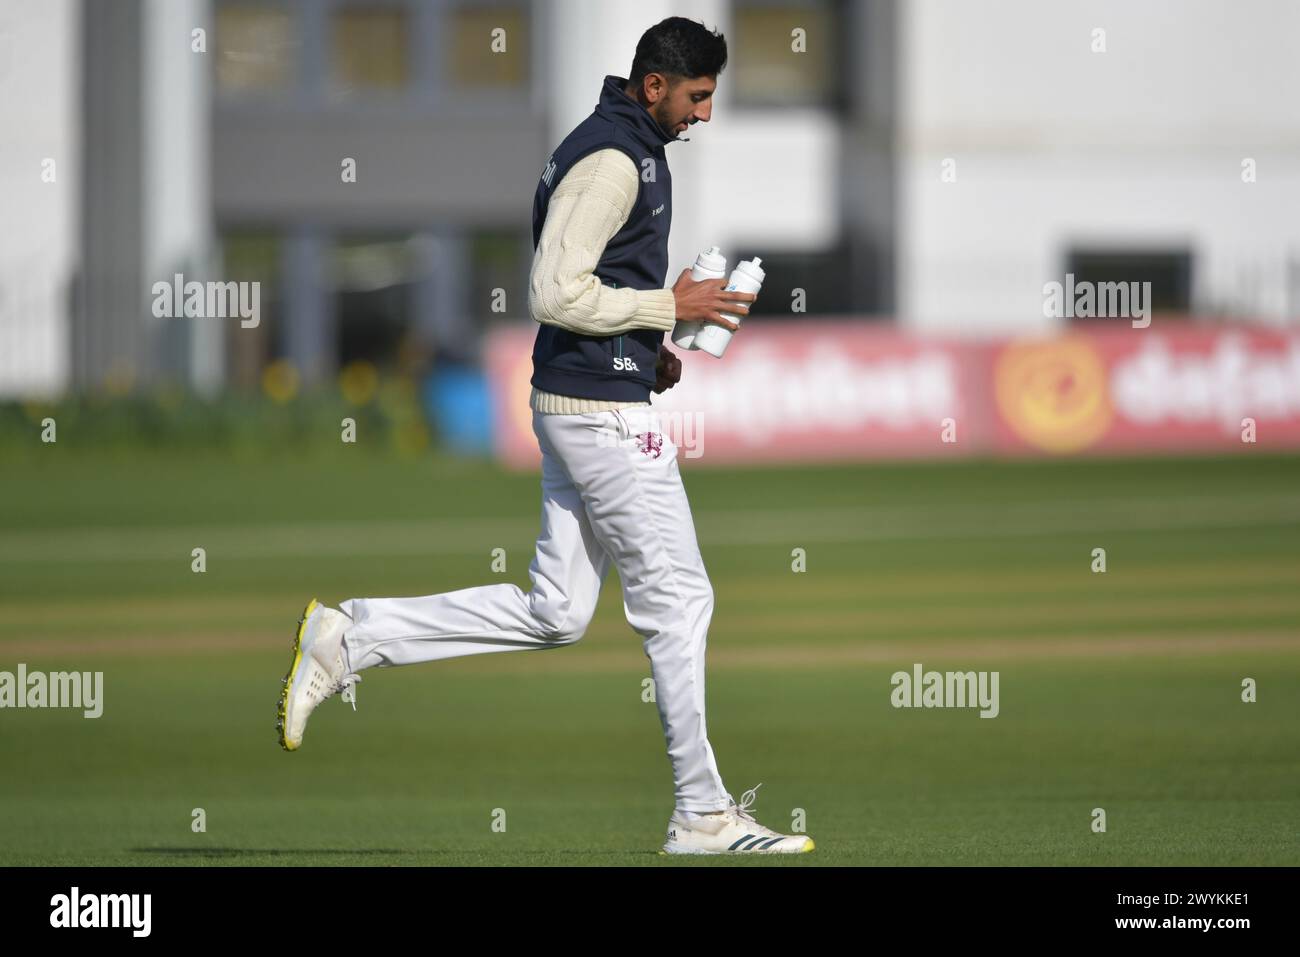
pixel 317 672
pixel 733 831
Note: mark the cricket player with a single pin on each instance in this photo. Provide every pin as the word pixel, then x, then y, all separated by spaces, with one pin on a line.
pixel 612 494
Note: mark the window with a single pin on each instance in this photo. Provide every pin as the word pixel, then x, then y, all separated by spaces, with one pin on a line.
pixel 768 71
pixel 253 257
pixel 370 49
pixel 1169 272
pixel 257 48
pixel 820 273
pixel 372 278
pixel 474 37
pixel 497 261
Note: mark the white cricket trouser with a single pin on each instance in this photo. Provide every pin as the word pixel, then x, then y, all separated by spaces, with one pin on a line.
pixel 611 491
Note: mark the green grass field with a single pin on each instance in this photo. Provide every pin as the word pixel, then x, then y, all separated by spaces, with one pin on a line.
pixel 1119 690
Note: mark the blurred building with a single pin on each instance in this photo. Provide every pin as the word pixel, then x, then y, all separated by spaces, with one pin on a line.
pixel 39 164
pixel 221 154
pixel 932 161
pixel 1107 139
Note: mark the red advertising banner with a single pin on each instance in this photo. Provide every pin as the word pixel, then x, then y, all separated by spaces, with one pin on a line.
pixel 823 391
pixel 1148 390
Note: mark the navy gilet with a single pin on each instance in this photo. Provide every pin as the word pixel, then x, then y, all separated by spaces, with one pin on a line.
pixel 617 368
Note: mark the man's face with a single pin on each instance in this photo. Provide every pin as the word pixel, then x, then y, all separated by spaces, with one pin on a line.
pixel 680 102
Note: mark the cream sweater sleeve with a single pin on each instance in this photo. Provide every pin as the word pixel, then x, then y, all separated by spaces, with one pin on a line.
pixel 590 205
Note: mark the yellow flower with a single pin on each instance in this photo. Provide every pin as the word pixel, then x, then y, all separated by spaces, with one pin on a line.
pixel 280 380
pixel 359 381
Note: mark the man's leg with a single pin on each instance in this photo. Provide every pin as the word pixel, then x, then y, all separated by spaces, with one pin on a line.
pixel 566 573
pixel 626 471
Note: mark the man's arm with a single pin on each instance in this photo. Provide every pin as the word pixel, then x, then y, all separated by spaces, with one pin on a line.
pixel 590 205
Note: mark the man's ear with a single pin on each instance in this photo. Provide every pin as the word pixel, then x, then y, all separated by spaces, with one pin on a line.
pixel 654 87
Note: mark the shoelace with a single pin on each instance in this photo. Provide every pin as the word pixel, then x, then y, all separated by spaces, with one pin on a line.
pixel 746 802
pixel 348 685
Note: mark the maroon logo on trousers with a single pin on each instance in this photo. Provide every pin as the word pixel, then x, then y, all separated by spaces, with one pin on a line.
pixel 651 443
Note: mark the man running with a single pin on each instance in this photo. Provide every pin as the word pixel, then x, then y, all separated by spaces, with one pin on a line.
pixel 612 494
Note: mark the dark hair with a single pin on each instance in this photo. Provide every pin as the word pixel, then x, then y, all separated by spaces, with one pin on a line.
pixel 678 47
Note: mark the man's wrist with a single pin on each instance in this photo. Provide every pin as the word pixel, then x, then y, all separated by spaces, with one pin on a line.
pixel 657 309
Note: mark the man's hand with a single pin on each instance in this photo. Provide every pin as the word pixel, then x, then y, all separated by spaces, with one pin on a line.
pixel 706 300
pixel 668 370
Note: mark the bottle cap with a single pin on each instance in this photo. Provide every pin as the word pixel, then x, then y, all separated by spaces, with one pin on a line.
pixel 712 259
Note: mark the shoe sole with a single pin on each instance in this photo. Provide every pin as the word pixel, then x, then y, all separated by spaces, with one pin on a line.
pixel 684 849
pixel 282 722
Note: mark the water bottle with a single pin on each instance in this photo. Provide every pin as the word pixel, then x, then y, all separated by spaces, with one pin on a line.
pixel 710 264
pixel 746 277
